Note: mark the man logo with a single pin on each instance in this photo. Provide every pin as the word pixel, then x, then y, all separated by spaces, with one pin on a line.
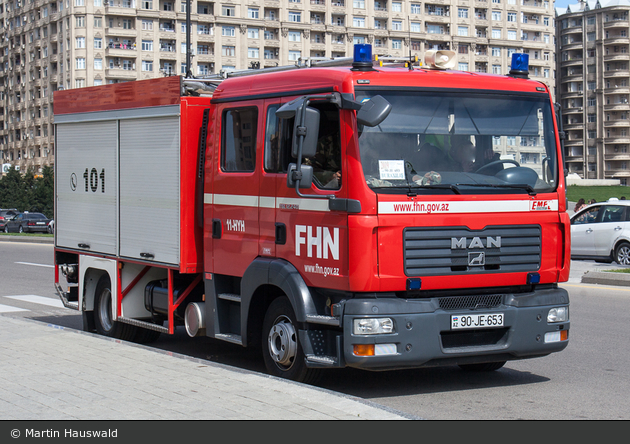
pixel 476 242
pixel 476 259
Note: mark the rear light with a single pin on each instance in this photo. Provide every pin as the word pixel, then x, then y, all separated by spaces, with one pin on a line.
pixel 31 223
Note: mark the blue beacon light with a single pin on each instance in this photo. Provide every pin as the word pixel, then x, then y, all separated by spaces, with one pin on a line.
pixel 520 65
pixel 362 60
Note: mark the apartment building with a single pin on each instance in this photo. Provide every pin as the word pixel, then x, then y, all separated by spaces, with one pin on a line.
pixel 594 87
pixel 46 45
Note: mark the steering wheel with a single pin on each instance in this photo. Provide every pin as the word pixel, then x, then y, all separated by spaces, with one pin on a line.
pixel 496 162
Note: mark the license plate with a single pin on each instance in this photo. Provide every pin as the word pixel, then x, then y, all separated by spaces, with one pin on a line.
pixel 40 223
pixel 477 321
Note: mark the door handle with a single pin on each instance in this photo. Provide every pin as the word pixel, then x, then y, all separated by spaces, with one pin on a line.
pixel 216 228
pixel 618 228
pixel 590 230
pixel 281 233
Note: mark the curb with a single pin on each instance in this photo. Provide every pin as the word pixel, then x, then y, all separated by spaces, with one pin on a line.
pixel 28 239
pixel 606 278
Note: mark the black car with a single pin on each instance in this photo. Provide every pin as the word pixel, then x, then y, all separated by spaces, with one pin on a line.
pixel 5 215
pixel 27 223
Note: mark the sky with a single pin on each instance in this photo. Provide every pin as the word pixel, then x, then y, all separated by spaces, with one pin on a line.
pixel 564 3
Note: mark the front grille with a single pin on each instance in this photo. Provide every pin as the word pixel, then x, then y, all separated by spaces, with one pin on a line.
pixel 474 338
pixel 470 302
pixel 433 251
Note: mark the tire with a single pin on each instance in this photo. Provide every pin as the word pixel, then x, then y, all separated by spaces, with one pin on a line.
pixel 483 367
pixel 103 313
pixel 622 254
pixel 21 229
pixel 6 229
pixel 281 348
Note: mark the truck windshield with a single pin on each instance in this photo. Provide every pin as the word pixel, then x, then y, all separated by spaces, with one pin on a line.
pixel 465 142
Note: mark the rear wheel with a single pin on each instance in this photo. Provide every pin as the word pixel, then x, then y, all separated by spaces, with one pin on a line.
pixel 6 229
pixel 622 254
pixel 282 351
pixel 103 319
pixel 483 367
pixel 21 229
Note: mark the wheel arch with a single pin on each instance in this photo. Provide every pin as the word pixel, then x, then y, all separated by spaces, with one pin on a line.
pixel 265 280
pixel 616 245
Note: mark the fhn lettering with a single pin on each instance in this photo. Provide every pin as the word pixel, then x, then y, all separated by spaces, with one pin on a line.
pixel 318 239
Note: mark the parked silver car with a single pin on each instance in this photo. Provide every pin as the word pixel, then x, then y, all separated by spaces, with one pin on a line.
pixel 601 232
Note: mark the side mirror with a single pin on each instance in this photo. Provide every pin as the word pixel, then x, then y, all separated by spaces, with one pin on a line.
pixel 373 111
pixel 310 130
pixel 304 177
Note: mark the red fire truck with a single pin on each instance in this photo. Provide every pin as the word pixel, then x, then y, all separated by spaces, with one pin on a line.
pixel 362 216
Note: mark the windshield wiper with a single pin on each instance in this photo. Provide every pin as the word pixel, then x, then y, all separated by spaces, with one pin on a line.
pixel 519 186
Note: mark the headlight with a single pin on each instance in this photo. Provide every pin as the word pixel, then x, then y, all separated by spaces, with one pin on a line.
pixel 559 314
pixel 373 326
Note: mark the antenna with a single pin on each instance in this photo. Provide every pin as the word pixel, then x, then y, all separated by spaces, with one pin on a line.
pixel 409 32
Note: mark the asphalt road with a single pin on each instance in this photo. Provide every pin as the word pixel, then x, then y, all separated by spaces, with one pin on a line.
pixel 589 380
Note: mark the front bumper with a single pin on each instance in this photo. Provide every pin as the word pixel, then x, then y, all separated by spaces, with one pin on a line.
pixel 423 335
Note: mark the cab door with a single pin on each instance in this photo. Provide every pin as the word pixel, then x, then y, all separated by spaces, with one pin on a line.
pixel 236 188
pixel 316 237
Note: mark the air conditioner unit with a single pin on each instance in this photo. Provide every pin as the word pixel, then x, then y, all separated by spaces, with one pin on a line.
pixel 277 52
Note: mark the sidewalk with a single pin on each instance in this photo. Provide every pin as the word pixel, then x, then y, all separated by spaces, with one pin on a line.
pixel 48 372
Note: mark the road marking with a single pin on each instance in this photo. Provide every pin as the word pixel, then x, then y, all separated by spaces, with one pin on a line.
pixel 38 300
pixel 9 309
pixel 36 265
pixel 607 287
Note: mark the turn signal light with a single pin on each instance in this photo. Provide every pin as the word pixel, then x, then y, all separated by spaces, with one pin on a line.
pixel 564 335
pixel 363 349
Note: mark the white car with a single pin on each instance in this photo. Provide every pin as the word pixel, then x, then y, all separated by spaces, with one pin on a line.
pixel 51 226
pixel 601 232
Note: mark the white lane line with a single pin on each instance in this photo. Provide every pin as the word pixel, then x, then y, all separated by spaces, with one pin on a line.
pixel 9 309
pixel 36 265
pixel 37 300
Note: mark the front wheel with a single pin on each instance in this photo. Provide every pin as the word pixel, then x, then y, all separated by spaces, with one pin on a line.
pixel 21 229
pixel 622 254
pixel 282 351
pixel 103 318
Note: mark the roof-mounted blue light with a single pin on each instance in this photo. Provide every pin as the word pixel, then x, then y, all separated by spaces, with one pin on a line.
pixel 362 60
pixel 520 65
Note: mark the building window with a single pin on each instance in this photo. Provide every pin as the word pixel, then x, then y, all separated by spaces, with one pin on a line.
pixel 147 25
pixel 396 7
pixel 252 13
pixel 228 11
pixel 462 13
pixel 462 31
pixel 496 69
pixel 496 15
pixel 396 25
pixel 358 4
pixel 295 55
pixel 80 43
pixel 415 27
pixel 252 33
pixel 79 2
pixel 496 51
pixel 496 34
pixel 294 36
pixel 511 17
pixel 147 45
pixel 295 16
pixel 147 65
pixel 462 66
pixel 147 4
pixel 228 31
pixel 98 22
pixel 80 62
pixel 98 43
pixel 80 21
pixel 416 8
pixel 511 35
pixel 228 51
pixel 79 83
pixel 253 53
pixel 98 64
pixel 396 44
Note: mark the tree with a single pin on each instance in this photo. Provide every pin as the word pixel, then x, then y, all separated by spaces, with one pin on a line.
pixel 28 193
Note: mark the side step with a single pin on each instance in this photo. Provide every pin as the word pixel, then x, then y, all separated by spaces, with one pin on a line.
pixel 147 325
pixel 321 361
pixel 64 300
pixel 230 297
pixel 229 337
pixel 320 319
